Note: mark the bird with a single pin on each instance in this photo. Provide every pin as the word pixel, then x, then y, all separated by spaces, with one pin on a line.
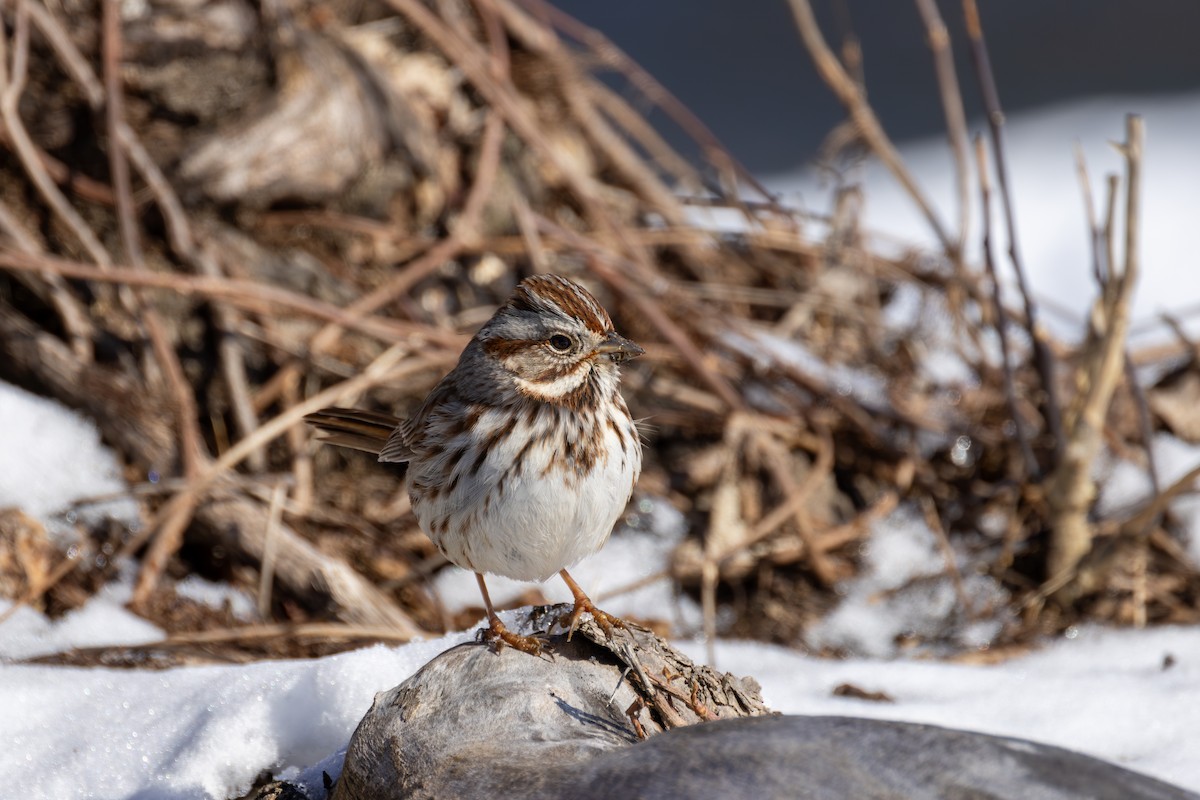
pixel 524 456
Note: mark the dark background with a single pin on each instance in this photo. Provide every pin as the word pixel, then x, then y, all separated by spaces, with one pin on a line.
pixel 740 66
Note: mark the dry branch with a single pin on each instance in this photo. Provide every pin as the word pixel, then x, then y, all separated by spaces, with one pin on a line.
pixel 1070 488
pixel 327 219
pixel 851 96
pixel 1043 358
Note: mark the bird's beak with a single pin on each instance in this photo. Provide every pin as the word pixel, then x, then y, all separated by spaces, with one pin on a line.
pixel 618 348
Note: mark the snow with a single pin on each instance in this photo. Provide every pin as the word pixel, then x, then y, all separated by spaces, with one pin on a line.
pixel 103 621
pixel 51 458
pixel 903 589
pixel 866 386
pixel 217 595
pixel 1125 695
pixel 1124 485
pixel 1048 200
pixel 188 732
pixel 208 731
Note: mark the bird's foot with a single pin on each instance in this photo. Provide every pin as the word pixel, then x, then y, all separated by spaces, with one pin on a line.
pixel 606 621
pixel 496 634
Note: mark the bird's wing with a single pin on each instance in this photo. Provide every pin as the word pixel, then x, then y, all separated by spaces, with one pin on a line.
pixel 397 448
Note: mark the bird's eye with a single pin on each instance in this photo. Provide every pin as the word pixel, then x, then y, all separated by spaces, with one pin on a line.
pixel 560 343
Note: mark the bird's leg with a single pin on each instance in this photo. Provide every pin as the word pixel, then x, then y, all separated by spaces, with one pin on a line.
pixel 496 630
pixel 583 603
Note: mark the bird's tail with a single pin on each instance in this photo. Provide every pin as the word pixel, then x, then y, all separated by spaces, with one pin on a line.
pixel 355 428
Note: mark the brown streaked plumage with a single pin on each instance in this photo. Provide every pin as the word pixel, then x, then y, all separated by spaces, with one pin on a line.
pixel 523 457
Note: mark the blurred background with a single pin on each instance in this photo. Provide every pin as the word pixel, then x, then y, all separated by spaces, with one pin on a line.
pixel 740 68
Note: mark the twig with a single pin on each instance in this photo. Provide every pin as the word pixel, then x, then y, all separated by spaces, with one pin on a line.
pixel 860 111
pixel 190 442
pixel 619 110
pixel 716 153
pixel 302 461
pixel 1100 262
pixel 1144 519
pixel 632 586
pixel 578 97
pixel 72 60
pixel 1132 151
pixel 793 502
pixel 1043 358
pixel 74 318
pixel 1113 184
pixel 952 106
pixel 245 636
pixel 250 295
pixel 267 569
pixel 115 109
pixel 1100 269
pixel 167 530
pixel 778 462
pixel 12 84
pixel 65 567
pixel 381 369
pixel 709 574
pixel 619 155
pixel 1029 460
pixel 1138 569
pixel 531 240
pixel 1070 488
pixel 935 526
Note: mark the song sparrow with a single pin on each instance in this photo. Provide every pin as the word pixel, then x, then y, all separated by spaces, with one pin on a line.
pixel 523 457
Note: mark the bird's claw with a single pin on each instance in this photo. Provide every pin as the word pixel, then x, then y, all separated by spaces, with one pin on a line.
pixel 607 622
pixel 497 635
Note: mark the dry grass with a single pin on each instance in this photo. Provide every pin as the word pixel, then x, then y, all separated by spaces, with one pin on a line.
pixel 319 205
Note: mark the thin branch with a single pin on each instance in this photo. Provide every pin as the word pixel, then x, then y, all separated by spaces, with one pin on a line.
pixel 249 295
pixel 190 441
pixel 1070 488
pixel 11 86
pixel 952 107
pixel 934 523
pixel 1028 458
pixel 1043 358
pixel 74 62
pixel 863 116
pixel 74 317
pixel 267 569
pixel 381 369
pixel 619 110
pixel 654 92
pixel 1135 134
pixel 1101 270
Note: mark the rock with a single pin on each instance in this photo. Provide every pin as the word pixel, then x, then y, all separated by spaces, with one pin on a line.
pixel 834 758
pixel 476 723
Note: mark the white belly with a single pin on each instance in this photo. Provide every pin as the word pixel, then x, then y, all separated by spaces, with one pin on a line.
pixel 529 520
